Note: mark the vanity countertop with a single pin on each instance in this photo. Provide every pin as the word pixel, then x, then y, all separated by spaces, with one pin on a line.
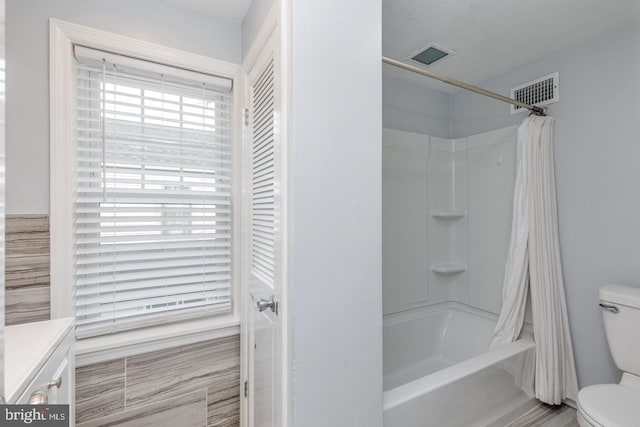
pixel 27 349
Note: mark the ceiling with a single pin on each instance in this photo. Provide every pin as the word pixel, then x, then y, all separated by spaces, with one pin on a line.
pixel 491 37
pixel 231 10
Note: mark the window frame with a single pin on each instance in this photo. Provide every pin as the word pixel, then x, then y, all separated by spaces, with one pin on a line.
pixel 63 36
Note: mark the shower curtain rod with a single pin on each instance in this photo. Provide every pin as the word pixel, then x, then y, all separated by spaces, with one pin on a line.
pixel 539 111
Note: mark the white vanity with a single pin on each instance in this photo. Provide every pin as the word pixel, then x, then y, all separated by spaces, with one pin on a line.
pixel 39 363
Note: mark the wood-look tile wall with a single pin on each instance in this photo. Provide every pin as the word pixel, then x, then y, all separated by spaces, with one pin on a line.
pixel 195 385
pixel 27 269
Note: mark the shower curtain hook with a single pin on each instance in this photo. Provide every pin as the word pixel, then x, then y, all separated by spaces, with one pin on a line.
pixel 538 111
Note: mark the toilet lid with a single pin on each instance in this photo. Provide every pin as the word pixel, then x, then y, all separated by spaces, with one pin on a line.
pixel 611 405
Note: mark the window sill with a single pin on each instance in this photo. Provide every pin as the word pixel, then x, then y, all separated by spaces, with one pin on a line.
pixel 131 343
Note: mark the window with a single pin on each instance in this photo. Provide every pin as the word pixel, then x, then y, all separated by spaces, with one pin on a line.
pixel 152 222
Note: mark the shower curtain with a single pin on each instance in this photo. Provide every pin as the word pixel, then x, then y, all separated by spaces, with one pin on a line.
pixel 533 267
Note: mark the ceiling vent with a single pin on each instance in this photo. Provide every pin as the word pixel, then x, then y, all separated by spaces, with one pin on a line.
pixel 430 54
pixel 540 92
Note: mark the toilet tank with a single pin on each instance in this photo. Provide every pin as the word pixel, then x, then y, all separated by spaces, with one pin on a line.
pixel 621 315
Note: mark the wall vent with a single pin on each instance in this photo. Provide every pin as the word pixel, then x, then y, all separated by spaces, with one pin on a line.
pixel 540 92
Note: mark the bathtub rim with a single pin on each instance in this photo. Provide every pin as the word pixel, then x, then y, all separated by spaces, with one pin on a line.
pixel 414 389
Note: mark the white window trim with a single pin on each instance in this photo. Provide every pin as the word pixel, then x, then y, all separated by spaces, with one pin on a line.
pixel 63 35
pixel 139 341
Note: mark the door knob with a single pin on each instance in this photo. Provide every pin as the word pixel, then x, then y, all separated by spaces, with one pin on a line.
pixel 39 398
pixel 272 303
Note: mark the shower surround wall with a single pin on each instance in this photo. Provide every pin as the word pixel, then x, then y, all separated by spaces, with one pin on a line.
pixel 446 218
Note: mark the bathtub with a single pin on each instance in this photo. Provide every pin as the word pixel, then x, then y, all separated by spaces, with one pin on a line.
pixel 439 371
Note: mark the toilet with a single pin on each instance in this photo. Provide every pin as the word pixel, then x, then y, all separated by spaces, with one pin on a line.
pixel 617 405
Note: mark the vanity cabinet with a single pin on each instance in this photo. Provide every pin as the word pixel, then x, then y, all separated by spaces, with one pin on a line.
pixel 39 363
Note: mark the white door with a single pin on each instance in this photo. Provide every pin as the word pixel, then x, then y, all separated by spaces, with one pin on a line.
pixel 264 246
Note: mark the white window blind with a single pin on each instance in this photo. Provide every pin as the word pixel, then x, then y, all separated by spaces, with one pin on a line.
pixel 152 208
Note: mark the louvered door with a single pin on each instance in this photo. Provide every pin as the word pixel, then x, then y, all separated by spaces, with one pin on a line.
pixel 264 242
pixel 263 176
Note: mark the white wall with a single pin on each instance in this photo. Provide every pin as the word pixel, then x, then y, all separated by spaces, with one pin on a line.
pixel 252 22
pixel 597 151
pixel 335 212
pixel 28 73
pixel 413 108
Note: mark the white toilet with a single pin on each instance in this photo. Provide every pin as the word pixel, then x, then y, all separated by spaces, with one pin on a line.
pixel 617 405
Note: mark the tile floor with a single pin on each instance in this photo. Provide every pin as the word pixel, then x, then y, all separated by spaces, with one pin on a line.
pixel 547 416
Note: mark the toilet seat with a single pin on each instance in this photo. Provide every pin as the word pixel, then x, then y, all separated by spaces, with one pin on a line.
pixel 610 405
pixel 585 421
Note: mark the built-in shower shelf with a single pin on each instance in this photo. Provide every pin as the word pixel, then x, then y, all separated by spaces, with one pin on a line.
pixel 449 214
pixel 451 268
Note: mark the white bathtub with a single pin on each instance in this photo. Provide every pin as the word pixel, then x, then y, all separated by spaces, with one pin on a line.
pixel 438 370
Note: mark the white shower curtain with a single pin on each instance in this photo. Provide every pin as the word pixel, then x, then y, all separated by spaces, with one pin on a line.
pixel 533 267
